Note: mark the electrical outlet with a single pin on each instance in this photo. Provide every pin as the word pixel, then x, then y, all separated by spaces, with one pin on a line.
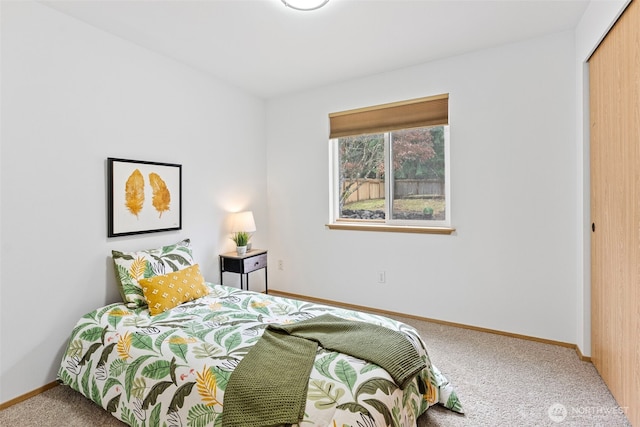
pixel 382 276
pixel 280 264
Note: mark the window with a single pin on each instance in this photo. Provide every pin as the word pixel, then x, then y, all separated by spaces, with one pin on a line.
pixel 390 166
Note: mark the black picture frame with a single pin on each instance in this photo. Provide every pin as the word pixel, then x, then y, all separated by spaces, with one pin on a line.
pixel 143 197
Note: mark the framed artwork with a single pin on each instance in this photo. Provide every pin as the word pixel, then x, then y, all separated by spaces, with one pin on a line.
pixel 143 197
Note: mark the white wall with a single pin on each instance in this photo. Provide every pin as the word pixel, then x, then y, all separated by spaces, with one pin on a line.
pixel 592 28
pixel 512 263
pixel 72 96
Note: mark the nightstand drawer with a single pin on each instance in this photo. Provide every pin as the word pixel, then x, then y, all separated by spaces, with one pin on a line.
pixel 255 263
pixel 255 259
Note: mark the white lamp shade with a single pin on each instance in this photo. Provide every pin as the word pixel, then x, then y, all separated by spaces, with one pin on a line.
pixel 243 221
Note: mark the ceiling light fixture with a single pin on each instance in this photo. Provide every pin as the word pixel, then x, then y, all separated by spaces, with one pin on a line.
pixel 305 4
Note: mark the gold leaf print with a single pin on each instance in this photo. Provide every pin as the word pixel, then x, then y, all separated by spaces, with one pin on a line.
pixel 134 192
pixel 207 387
pixel 181 340
pixel 431 396
pixel 118 312
pixel 260 304
pixel 124 345
pixel 137 268
pixel 161 196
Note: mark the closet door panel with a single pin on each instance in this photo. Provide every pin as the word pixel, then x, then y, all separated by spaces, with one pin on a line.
pixel 614 74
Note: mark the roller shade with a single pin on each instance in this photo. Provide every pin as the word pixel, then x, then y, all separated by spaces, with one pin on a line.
pixel 430 111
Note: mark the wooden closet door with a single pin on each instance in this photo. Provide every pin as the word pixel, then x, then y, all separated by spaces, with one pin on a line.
pixel 614 74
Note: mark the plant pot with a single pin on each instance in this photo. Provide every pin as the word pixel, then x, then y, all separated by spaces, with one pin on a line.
pixel 241 250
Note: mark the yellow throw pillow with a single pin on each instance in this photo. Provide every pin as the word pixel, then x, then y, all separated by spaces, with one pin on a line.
pixel 166 292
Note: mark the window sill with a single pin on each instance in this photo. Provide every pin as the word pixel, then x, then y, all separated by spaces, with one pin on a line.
pixel 392 228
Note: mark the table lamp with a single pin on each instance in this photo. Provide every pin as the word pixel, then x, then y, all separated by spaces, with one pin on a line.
pixel 243 222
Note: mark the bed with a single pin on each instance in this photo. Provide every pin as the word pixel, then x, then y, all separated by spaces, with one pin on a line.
pixel 173 366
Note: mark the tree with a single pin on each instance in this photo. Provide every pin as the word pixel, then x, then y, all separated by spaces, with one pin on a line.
pixel 361 157
pixel 412 148
pixel 434 167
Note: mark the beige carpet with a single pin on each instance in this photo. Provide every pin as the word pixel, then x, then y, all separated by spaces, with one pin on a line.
pixel 501 381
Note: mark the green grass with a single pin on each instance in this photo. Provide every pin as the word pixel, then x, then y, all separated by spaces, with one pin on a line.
pixel 400 205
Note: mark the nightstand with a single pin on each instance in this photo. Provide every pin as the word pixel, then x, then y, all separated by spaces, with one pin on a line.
pixel 255 259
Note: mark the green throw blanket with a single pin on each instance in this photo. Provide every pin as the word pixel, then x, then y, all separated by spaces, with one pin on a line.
pixel 269 385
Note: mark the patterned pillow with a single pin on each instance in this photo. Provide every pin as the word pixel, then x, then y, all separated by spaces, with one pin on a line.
pixel 166 292
pixel 133 266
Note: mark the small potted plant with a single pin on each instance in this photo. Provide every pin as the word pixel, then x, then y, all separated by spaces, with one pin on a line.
pixel 240 238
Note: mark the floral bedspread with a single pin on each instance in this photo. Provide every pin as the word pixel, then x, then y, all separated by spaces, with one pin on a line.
pixel 172 369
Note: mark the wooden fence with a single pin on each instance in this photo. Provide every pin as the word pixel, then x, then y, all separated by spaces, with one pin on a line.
pixel 367 189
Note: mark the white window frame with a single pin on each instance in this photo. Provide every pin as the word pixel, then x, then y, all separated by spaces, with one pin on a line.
pixel 388 224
